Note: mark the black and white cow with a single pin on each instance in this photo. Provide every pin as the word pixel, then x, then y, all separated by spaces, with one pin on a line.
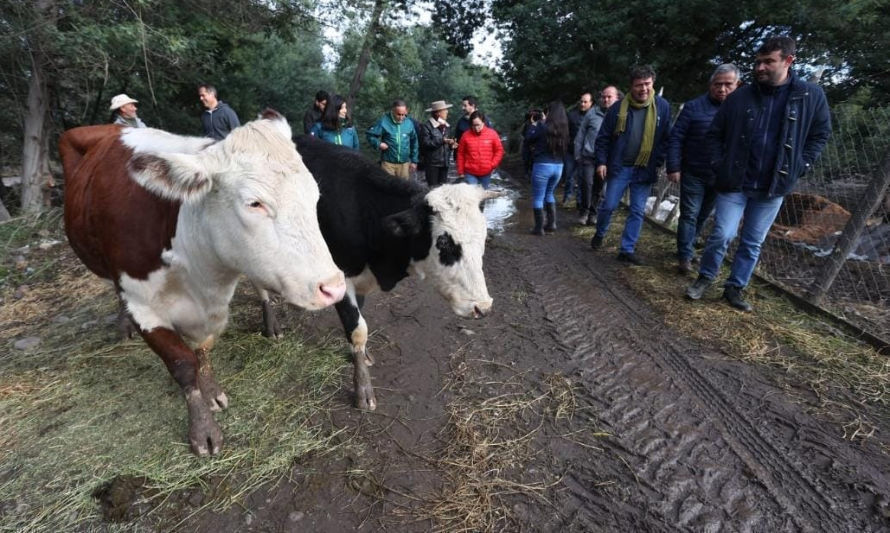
pixel 380 229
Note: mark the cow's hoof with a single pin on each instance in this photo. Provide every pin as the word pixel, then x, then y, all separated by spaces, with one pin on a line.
pixel 126 329
pixel 205 437
pixel 271 328
pixel 364 397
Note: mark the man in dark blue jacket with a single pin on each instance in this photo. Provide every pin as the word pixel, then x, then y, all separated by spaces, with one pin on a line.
pixel 630 146
pixel 690 166
pixel 764 137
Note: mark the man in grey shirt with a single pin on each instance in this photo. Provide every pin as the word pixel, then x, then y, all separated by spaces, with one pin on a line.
pixel 590 184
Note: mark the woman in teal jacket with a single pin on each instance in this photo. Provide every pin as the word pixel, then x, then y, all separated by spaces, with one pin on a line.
pixel 335 126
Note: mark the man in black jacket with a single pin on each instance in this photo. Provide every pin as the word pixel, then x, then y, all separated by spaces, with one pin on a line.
pixel 313 114
pixel 218 119
pixel 763 138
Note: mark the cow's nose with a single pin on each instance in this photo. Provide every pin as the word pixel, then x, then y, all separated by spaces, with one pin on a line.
pixel 332 290
pixel 481 309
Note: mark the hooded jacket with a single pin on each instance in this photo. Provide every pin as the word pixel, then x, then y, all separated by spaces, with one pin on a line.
pixel 220 121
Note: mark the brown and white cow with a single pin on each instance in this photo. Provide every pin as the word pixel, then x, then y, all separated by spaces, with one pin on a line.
pixel 174 221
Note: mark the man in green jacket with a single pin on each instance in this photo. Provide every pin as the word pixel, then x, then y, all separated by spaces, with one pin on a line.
pixel 394 135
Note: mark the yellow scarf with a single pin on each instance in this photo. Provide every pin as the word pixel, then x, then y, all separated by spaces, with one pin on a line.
pixel 648 131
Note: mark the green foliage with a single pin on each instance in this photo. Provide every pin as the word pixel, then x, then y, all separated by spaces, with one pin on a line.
pixel 553 49
pixel 416 65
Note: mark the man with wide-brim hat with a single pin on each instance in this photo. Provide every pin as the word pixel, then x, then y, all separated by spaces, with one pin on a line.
pixel 124 109
pixel 435 145
pixel 438 105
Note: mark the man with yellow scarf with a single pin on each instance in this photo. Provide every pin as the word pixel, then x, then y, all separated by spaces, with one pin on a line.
pixel 630 146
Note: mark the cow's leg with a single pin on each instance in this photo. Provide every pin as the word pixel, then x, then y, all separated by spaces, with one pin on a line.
pixel 126 329
pixel 270 322
pixel 357 332
pixel 211 391
pixel 204 433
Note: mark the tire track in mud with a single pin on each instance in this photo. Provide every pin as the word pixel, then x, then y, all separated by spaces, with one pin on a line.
pixel 696 460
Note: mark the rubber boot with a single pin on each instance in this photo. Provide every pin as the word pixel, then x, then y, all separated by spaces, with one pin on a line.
pixel 539 223
pixel 549 218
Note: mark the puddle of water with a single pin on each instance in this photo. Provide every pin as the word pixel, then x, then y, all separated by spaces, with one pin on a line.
pixel 499 210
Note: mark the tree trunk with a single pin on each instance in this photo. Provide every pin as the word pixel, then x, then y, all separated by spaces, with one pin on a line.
pixel 35 157
pixel 365 56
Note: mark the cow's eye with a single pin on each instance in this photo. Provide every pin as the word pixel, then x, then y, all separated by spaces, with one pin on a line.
pixel 258 207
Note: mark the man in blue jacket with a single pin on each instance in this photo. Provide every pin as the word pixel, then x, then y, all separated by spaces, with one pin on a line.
pixel 396 138
pixel 690 166
pixel 630 146
pixel 764 137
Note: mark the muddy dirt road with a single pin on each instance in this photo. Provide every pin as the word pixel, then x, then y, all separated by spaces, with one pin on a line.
pixel 571 408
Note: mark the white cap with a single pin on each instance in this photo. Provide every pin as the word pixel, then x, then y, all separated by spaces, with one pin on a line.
pixel 121 100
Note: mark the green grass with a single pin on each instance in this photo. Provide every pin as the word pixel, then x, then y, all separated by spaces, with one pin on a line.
pixel 82 409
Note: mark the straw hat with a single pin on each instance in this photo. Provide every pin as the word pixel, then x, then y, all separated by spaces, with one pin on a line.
pixel 121 100
pixel 438 105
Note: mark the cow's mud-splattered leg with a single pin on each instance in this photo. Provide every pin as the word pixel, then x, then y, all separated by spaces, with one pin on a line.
pixel 357 333
pixel 271 328
pixel 211 391
pixel 204 434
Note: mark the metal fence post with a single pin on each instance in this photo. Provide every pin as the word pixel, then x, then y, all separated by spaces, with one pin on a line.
pixel 870 201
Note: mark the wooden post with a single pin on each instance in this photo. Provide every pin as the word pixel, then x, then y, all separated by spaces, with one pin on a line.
pixel 871 199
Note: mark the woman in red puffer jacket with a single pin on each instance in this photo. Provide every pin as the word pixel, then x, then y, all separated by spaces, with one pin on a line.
pixel 479 152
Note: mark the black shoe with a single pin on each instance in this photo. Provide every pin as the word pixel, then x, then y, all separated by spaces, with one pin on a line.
pixel 698 288
pixel 733 295
pixel 630 258
pixel 596 242
pixel 684 266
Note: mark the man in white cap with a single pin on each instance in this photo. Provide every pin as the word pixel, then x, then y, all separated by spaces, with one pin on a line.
pixel 124 109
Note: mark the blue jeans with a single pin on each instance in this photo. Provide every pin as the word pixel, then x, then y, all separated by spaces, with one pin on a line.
pixel 545 176
pixel 759 214
pixel 696 203
pixel 639 192
pixel 569 167
pixel 485 180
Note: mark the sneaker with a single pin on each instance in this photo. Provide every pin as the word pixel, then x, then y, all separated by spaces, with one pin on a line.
pixel 582 219
pixel 733 295
pixel 698 288
pixel 684 266
pixel 630 257
pixel 596 242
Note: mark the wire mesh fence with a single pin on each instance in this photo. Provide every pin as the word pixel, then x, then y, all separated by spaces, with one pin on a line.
pixel 830 243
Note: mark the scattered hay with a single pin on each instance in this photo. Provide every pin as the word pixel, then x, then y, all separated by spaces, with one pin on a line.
pixel 83 416
pixel 488 445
